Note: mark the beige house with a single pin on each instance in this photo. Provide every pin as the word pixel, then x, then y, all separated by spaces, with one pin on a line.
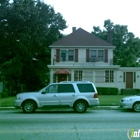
pixel 81 56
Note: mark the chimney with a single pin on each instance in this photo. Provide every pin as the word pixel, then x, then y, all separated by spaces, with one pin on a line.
pixel 73 29
pixel 110 36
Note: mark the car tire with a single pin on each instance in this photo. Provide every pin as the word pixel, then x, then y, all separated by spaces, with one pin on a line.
pixel 80 106
pixel 29 106
pixel 136 107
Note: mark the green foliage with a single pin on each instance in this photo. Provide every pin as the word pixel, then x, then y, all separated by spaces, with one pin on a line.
pixel 107 91
pixel 27 28
pixel 130 91
pixel 4 94
pixel 127 45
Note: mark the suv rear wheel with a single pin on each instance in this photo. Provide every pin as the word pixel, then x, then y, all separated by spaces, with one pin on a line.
pixel 29 106
pixel 80 106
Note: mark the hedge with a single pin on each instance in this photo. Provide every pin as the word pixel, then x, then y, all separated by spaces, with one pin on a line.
pixel 107 90
pixel 129 91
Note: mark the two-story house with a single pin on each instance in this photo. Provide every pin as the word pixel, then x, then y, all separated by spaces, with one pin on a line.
pixel 81 56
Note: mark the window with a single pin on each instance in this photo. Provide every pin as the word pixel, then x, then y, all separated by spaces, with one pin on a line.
pixel 70 55
pixel 85 88
pixel 100 55
pixel 109 76
pixel 78 75
pixel 97 55
pixel 104 76
pixel 63 55
pixel 67 55
pixel 93 56
pixel 64 88
pixel 52 89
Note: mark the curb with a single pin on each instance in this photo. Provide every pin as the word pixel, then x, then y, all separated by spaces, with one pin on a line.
pixel 4 108
pixel 97 107
pixel 108 107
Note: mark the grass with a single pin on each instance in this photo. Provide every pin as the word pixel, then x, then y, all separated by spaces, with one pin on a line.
pixel 105 100
pixel 5 102
pixel 110 100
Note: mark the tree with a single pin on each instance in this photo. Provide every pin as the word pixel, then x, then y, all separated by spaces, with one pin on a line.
pixel 27 28
pixel 127 49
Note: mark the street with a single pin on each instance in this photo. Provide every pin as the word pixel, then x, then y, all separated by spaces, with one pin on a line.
pixel 68 125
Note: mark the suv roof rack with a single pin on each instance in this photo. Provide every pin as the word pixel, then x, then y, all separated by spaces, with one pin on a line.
pixel 75 82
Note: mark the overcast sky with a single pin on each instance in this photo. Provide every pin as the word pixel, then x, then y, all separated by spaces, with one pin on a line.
pixel 89 13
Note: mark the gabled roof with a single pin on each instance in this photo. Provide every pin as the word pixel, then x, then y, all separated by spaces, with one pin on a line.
pixel 81 37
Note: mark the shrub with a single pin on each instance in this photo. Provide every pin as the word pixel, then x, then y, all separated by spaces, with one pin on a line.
pixel 129 91
pixel 107 90
pixel 4 94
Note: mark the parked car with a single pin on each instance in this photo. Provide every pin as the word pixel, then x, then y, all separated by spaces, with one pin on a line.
pixel 77 95
pixel 131 102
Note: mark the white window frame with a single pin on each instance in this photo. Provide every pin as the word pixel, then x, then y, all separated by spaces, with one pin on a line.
pixel 109 76
pixel 106 76
pixel 78 75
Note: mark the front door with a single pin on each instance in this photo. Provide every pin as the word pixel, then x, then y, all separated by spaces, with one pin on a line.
pixel 129 79
pixel 62 77
pixel 50 96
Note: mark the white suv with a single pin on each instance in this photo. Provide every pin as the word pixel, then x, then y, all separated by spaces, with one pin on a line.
pixel 77 95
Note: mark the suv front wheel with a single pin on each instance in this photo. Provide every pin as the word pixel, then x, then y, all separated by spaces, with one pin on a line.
pixel 29 106
pixel 80 106
pixel 136 107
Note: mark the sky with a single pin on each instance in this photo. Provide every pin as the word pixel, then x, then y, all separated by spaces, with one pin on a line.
pixel 88 13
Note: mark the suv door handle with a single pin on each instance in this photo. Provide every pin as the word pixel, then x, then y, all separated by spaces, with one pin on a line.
pixel 73 94
pixel 54 95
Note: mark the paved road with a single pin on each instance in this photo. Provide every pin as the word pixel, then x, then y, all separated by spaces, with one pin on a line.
pixel 67 125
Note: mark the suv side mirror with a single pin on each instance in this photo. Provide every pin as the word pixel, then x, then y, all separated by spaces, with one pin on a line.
pixel 43 92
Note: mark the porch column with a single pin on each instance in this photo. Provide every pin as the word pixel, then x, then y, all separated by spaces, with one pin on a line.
pixel 72 75
pixel 93 76
pixel 51 75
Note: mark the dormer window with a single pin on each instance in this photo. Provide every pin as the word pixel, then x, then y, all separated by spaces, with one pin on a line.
pixel 67 55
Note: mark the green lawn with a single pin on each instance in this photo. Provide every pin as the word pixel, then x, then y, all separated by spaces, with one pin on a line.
pixel 108 100
pixel 105 100
pixel 5 102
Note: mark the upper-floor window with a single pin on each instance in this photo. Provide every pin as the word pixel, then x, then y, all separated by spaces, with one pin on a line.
pixel 67 55
pixel 96 55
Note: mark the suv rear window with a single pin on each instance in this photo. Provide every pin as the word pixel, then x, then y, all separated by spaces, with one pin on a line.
pixel 85 87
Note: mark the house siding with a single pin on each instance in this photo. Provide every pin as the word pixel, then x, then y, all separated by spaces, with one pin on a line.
pixel 89 70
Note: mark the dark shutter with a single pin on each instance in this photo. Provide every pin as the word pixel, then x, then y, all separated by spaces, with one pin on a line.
pixel 57 55
pixel 76 55
pixel 87 55
pixel 106 55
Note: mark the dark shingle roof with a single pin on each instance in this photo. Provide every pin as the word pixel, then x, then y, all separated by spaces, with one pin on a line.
pixel 81 37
